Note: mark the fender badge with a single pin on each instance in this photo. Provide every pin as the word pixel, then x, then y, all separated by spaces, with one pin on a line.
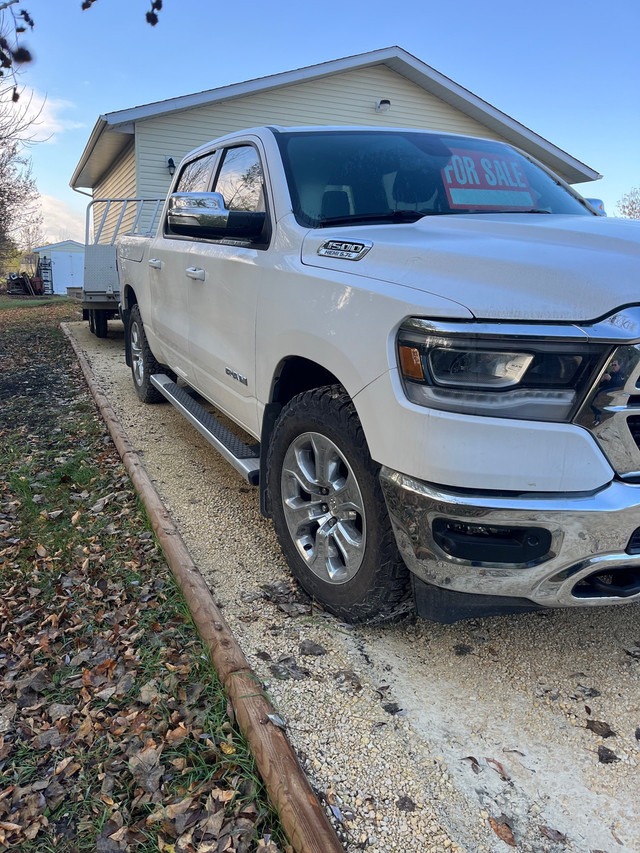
pixel 345 249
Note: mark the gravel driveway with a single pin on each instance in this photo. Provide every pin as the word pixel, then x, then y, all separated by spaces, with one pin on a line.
pixel 422 737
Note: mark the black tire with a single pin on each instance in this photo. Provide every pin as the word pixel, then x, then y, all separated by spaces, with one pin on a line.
pixel 143 362
pixel 92 321
pixel 100 324
pixel 328 509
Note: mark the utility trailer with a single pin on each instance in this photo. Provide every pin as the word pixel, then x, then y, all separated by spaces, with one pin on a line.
pixel 108 219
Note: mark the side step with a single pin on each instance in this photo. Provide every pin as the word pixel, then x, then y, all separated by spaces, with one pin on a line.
pixel 244 458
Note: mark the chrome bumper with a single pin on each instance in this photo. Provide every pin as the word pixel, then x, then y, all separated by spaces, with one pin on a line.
pixel 590 535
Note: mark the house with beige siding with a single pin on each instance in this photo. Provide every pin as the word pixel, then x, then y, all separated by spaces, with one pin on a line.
pixel 128 150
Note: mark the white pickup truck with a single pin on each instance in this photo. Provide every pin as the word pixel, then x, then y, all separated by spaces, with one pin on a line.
pixel 432 344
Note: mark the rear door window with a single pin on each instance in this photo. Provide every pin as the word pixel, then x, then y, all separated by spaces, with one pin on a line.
pixel 196 175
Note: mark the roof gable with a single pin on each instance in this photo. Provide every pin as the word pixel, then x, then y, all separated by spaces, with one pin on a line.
pixel 113 130
pixel 65 245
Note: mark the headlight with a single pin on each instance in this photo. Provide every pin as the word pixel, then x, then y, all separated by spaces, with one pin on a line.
pixel 497 376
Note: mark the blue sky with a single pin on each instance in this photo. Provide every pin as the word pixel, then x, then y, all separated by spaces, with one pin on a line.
pixel 568 70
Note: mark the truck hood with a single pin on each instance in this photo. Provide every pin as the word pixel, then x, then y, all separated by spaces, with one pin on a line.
pixel 500 266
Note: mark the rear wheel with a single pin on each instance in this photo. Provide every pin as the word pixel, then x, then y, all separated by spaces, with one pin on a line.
pixel 328 508
pixel 143 362
pixel 100 324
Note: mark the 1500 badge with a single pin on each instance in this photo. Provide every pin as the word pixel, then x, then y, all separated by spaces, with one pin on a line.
pixel 345 249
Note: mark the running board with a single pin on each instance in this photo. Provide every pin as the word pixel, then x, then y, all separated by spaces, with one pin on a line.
pixel 244 458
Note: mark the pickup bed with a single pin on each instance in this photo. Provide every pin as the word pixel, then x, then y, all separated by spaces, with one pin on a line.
pixel 432 345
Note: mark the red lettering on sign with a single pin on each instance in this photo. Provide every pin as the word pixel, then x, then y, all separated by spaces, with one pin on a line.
pixel 485 181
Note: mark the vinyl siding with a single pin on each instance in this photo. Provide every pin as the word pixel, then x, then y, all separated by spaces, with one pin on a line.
pixel 119 182
pixel 347 98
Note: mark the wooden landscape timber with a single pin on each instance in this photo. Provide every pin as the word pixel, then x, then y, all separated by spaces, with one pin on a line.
pixel 304 821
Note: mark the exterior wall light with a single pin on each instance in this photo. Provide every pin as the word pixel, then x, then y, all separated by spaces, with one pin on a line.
pixel 383 105
pixel 171 165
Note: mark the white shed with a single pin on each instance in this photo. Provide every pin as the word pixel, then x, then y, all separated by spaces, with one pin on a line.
pixel 66 264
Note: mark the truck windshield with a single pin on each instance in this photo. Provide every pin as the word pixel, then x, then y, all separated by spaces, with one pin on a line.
pixel 338 177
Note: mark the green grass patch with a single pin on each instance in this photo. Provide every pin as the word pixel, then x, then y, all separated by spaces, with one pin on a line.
pixel 114 731
pixel 8 303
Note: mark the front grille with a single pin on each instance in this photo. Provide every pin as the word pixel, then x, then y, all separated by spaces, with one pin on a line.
pixel 612 415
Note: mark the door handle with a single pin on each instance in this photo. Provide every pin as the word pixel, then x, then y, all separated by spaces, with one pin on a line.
pixel 195 273
pixel 155 264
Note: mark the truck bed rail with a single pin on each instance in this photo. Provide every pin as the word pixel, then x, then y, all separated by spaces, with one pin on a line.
pixel 145 219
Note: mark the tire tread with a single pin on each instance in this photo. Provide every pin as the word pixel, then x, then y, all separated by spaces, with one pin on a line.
pixel 387 596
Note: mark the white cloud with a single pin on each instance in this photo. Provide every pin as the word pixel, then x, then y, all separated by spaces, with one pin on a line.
pixel 45 115
pixel 60 222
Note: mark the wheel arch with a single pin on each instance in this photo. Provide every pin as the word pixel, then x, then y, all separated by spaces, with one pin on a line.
pixel 127 300
pixel 293 376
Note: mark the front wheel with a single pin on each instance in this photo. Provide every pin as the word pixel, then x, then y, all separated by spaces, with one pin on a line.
pixel 143 362
pixel 328 508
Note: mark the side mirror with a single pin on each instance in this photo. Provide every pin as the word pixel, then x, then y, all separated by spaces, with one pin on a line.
pixel 598 205
pixel 204 215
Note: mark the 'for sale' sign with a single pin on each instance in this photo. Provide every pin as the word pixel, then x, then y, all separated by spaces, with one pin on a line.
pixel 476 179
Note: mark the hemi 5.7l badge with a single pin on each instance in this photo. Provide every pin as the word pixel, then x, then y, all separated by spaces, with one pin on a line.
pixel 345 249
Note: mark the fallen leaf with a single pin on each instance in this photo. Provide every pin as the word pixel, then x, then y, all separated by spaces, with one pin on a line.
pixel 146 769
pixel 7 713
pixel 406 804
pixel 120 834
pixel 106 693
pixel 600 728
pixel 277 720
pixel 589 692
pixel 308 647
pixel 503 830
pixel 348 677
pixel 177 735
pixel 606 756
pixel 149 692
pixel 553 834
pixel 54 794
pixel 287 667
pixel 264 656
pixel 179 808
pixel 475 764
pixel 498 768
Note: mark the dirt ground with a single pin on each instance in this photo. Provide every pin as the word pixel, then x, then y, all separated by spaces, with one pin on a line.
pixel 470 736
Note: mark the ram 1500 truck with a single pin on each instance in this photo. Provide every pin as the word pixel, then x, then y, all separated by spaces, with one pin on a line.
pixel 432 344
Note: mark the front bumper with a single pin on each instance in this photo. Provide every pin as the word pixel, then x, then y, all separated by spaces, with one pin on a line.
pixel 593 556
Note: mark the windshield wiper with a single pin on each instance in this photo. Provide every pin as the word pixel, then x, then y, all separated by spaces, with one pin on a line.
pixel 359 218
pixel 472 212
pixel 407 216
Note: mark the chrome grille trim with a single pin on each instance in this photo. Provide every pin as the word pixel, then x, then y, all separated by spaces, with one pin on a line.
pixel 605 413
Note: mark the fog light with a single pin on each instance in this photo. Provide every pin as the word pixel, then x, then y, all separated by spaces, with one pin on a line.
pixel 483 543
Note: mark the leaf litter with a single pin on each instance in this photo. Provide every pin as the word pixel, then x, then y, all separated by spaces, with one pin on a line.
pixel 114 733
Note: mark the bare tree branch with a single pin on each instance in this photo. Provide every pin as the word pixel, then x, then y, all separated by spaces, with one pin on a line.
pixel 13 23
pixel 629 204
